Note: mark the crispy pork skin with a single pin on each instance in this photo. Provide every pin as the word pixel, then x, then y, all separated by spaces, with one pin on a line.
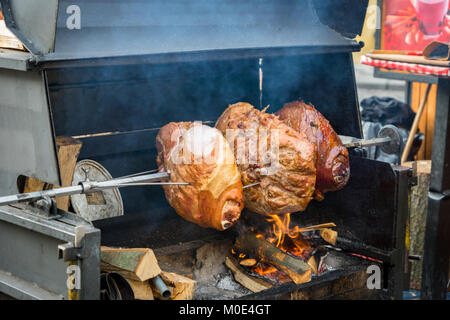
pixel 200 155
pixel 333 169
pixel 271 153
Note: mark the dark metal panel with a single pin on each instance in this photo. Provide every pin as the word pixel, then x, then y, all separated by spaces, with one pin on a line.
pixel 440 168
pixel 435 265
pixel 361 212
pixel 325 80
pixel 396 275
pixel 113 28
pixel 123 98
pixel 344 16
pixel 26 136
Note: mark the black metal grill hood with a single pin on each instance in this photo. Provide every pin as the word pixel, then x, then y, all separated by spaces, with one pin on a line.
pixel 181 30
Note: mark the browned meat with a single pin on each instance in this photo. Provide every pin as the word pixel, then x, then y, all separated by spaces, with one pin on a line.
pixel 270 152
pixel 201 156
pixel 333 169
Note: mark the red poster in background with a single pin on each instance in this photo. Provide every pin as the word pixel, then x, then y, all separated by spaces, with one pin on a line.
pixel 412 24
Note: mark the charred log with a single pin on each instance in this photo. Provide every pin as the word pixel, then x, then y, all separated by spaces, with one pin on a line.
pixel 296 269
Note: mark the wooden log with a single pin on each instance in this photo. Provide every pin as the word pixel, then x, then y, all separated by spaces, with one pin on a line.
pixel 415 125
pixel 329 235
pixel 316 227
pixel 136 264
pixel 182 288
pixel 418 218
pixel 141 289
pixel 296 269
pixel 312 262
pixel 32 185
pixel 251 283
pixel 68 150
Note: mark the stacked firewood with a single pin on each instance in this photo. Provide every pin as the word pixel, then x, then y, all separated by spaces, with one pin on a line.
pixel 144 278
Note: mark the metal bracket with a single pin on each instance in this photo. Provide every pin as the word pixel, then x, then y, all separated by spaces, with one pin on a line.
pixel 44 207
pixel 68 252
pixel 72 251
pixel 412 176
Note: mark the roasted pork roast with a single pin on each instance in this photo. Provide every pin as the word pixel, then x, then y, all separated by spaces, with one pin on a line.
pixel 269 152
pixel 200 155
pixel 332 167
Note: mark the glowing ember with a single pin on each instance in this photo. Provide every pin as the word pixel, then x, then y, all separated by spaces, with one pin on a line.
pixel 269 272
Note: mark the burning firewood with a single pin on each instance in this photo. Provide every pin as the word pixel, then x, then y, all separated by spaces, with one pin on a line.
pixel 296 269
pixel 251 283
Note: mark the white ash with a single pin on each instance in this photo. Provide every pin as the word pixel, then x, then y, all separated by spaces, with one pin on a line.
pixel 224 288
pixel 227 282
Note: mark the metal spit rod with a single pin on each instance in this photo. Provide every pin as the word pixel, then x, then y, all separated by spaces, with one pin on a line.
pixel 354 142
pixel 138 179
pixel 367 143
pixel 91 186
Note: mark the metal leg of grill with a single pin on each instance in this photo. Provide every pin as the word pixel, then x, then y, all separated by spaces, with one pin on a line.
pixel 435 272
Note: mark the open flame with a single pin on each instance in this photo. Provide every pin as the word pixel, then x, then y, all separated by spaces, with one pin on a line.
pixel 285 237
